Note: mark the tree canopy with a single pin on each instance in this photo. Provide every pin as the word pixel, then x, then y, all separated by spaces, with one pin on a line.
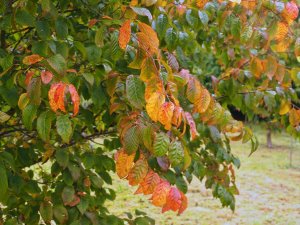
pixel 143 89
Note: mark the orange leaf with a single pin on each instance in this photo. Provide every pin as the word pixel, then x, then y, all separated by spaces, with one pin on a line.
pixel 146 44
pixel 125 33
pixel 138 172
pixel 202 101
pixel 193 90
pixel 160 193
pixel 75 99
pixel 59 96
pixel 124 163
pixel 46 76
pixel 28 77
pixel 281 31
pixel 173 201
pixel 51 96
pixel 184 203
pixel 177 116
pixel 154 104
pixel 256 67
pixel 191 122
pixel 32 59
pixel 201 3
pixel 151 37
pixel 165 114
pixel 148 184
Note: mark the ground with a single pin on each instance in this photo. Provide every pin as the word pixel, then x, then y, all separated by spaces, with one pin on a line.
pixel 269 190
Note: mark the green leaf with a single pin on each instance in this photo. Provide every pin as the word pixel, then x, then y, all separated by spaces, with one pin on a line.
pixel 75 171
pixel 3 183
pixel 142 12
pixel 67 194
pixel 62 157
pixel 215 134
pixel 97 182
pixel 34 91
pixel 43 29
pixel 3 117
pixel 28 116
pixel 181 184
pixel 171 38
pixel 58 63
pixel 23 17
pixel 176 153
pixel 135 91
pixel 131 140
pixel 203 17
pixel 235 27
pixel 248 134
pixel 99 37
pixel 43 125
pixel 147 133
pixel 161 144
pixel 60 214
pixel 64 127
pixel 161 25
pixel 191 18
pixel 83 205
pixel 46 212
pixel 61 28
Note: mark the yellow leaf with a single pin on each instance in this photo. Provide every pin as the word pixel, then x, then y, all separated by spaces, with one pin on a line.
pixel 148 70
pixel 294 117
pixel 285 107
pixel 154 104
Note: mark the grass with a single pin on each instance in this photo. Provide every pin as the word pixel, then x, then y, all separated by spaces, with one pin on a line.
pixel 269 191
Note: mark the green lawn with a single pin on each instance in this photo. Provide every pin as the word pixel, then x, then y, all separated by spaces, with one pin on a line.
pixel 269 191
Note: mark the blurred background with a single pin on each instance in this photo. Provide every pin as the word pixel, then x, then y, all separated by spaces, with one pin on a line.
pixel 268 180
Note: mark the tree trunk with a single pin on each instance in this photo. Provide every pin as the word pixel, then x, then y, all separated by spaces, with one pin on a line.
pixel 269 138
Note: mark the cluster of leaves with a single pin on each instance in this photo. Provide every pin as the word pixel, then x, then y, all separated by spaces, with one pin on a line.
pixel 152 80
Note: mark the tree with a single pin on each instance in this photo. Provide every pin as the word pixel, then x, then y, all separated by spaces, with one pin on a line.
pixel 139 88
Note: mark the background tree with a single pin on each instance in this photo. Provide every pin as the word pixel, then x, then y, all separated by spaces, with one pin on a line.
pixel 151 79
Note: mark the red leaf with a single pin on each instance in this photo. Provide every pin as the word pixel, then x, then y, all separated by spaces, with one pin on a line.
pixel 148 184
pixel 32 59
pixel 173 201
pixel 160 193
pixel 46 76
pixel 29 75
pixel 75 99
pixel 184 203
pixel 92 22
pixel 125 33
pixel 191 122
pixel 56 96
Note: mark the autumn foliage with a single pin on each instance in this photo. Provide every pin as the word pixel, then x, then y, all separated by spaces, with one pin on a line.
pixel 145 89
